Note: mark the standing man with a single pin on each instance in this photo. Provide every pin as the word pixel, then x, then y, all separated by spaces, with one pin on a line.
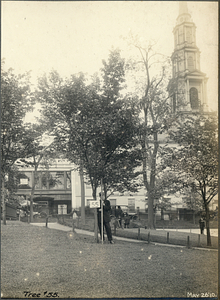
pixel 119 215
pixel 106 219
pixel 201 225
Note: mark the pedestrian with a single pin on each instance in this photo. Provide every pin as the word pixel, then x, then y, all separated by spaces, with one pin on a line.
pixel 201 225
pixel 106 220
pixel 126 220
pixel 119 216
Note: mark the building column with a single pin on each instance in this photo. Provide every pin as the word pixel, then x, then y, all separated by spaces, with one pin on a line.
pixel 73 189
pixel 202 94
pixel 187 92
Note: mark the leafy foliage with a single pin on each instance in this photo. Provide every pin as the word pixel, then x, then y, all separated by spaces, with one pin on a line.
pixel 94 126
pixel 154 103
pixel 16 101
pixel 195 161
pixel 196 158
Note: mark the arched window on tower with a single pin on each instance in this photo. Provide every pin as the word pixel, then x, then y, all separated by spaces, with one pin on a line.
pixel 190 63
pixel 194 100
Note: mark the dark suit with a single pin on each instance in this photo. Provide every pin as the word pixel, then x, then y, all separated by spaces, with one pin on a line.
pixel 106 219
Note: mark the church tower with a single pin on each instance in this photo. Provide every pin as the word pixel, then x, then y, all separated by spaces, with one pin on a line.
pixel 187 87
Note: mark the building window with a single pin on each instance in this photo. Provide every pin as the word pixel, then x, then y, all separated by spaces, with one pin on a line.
pixel 189 36
pixel 131 204
pixel 45 180
pixel 181 39
pixel 194 100
pixel 62 209
pixel 112 202
pixel 23 179
pixel 68 180
pixel 190 63
pixel 56 180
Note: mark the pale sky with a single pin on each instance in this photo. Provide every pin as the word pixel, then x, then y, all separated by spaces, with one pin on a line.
pixel 74 36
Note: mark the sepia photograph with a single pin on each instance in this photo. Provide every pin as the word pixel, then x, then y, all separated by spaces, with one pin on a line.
pixel 109 149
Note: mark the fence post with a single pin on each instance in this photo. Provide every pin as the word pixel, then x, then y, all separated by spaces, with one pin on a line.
pixel 168 238
pixel 46 220
pixel 188 242
pixel 148 237
pixel 199 244
pixel 114 228
pixel 73 225
pixel 139 231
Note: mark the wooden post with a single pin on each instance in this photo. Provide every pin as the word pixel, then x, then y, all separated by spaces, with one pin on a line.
pixel 46 220
pixel 168 238
pixel 139 231
pixel 102 233
pixel 138 212
pixel 148 237
pixel 115 228
pixel 188 242
pixel 83 217
pixel 199 244
pixel 73 225
pixel 96 225
pixel 3 201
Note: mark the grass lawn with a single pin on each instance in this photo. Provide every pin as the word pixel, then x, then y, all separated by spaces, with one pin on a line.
pixel 40 261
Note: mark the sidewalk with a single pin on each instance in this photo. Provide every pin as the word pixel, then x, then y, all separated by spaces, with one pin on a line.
pixel 157 237
pixel 58 226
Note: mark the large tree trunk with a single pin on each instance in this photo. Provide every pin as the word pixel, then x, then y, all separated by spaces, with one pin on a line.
pixel 162 214
pixel 150 211
pixel 32 196
pixel 95 217
pixel 83 219
pixel 207 226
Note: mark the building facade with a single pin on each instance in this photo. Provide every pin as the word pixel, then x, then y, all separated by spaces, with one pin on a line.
pixel 53 187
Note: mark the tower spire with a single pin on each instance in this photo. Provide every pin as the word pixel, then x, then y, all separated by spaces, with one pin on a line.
pixel 189 90
pixel 183 9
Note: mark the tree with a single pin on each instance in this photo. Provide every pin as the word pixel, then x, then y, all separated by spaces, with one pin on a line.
pixel 195 160
pixel 37 153
pixel 154 102
pixel 16 101
pixel 94 126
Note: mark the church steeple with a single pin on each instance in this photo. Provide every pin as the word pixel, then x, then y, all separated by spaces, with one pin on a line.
pixel 183 8
pixel 189 90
